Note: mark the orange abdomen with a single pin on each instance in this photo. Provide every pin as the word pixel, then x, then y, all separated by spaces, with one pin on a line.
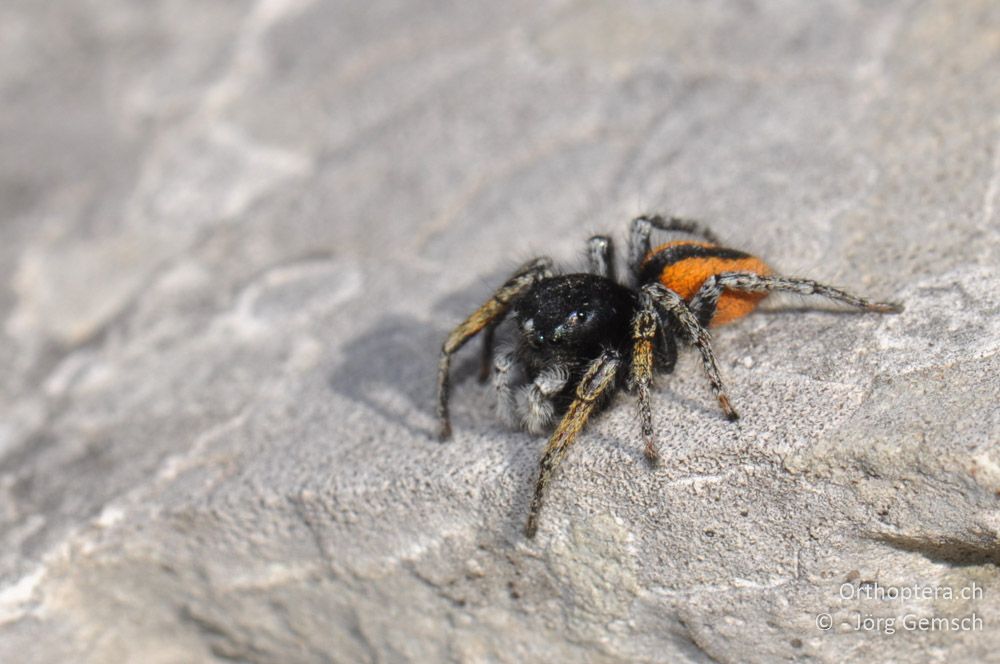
pixel 684 266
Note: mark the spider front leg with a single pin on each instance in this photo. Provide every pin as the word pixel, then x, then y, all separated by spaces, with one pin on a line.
pixel 644 330
pixel 706 299
pixel 486 352
pixel 643 226
pixel 600 377
pixel 504 377
pixel 534 404
pixel 490 313
pixel 672 303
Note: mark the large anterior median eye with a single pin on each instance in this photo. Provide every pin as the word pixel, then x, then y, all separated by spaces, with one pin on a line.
pixel 578 316
pixel 576 319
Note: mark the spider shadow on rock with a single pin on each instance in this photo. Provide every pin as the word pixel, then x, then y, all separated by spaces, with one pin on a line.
pixel 390 366
pixel 792 308
pixel 383 370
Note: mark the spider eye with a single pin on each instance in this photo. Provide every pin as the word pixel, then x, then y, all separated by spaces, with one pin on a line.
pixel 575 318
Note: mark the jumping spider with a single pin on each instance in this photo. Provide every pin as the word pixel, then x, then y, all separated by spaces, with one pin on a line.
pixel 583 336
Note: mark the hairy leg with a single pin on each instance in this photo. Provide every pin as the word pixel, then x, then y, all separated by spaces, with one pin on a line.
pixel 705 300
pixel 599 378
pixel 534 401
pixel 644 330
pixel 670 302
pixel 504 378
pixel 492 311
pixel 643 226
pixel 486 352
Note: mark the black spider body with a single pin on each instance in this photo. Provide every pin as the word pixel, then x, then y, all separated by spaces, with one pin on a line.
pixel 572 318
pixel 568 321
pixel 582 337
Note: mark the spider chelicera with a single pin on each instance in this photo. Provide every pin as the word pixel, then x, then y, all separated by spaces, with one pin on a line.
pixel 583 336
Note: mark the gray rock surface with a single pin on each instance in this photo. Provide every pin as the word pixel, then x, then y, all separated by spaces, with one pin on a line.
pixel 235 234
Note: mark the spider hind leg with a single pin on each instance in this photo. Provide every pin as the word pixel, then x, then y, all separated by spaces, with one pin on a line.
pixel 705 301
pixel 643 226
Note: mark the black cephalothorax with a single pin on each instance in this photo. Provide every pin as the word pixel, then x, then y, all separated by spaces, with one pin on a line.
pixel 581 337
pixel 572 318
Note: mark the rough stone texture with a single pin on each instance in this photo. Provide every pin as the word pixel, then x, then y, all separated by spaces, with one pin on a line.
pixel 234 235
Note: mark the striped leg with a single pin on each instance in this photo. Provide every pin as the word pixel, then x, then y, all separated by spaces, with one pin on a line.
pixel 669 301
pixel 705 300
pixel 644 331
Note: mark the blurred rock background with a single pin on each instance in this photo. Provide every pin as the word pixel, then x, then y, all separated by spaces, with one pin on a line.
pixel 234 234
